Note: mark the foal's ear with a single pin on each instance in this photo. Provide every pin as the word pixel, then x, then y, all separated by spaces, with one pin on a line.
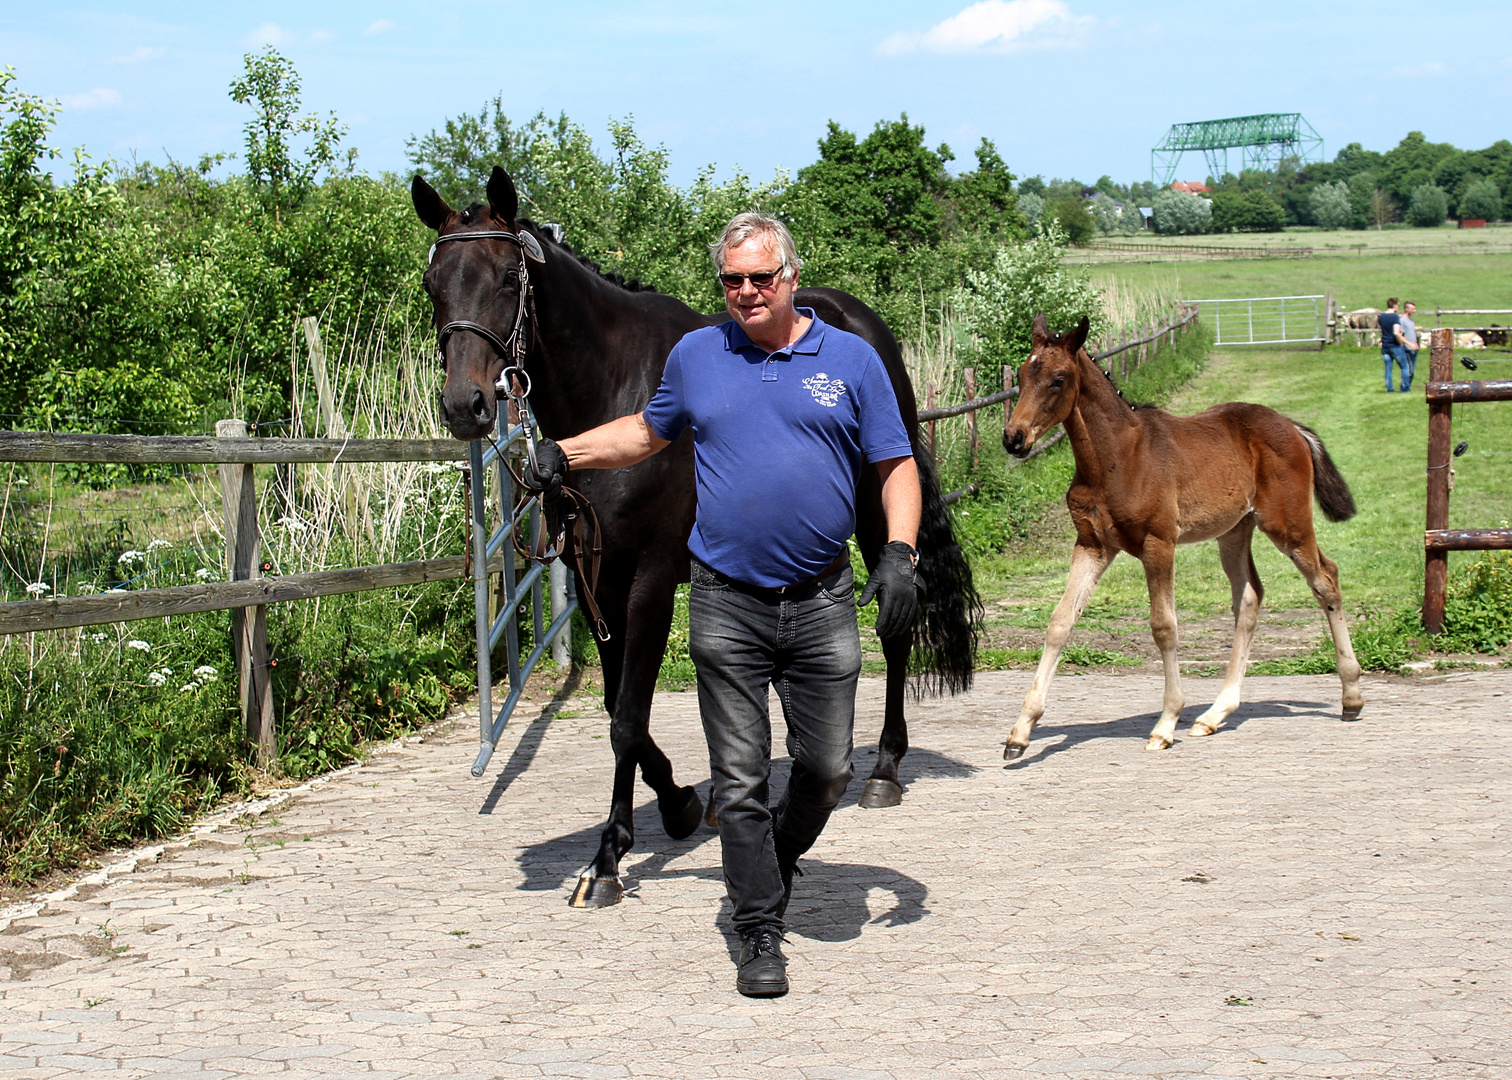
pixel 431 207
pixel 1079 335
pixel 1039 331
pixel 502 200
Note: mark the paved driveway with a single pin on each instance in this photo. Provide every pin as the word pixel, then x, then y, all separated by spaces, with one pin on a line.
pixel 1295 896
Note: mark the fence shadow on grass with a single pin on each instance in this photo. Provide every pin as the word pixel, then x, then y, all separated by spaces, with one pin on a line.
pixel 1137 727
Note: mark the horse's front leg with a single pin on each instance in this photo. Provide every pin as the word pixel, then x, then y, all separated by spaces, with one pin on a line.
pixel 1088 561
pixel 882 788
pixel 635 652
pixel 1159 560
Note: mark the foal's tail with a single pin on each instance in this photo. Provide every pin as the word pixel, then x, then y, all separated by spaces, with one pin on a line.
pixel 1328 484
pixel 949 622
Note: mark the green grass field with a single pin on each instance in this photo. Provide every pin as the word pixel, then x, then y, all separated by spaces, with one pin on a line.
pixel 1497 234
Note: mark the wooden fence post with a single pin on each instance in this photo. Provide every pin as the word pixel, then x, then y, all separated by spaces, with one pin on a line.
pixel 971 417
pixel 249 626
pixel 929 403
pixel 1436 570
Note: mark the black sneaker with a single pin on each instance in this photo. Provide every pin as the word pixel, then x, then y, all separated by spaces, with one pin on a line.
pixel 763 968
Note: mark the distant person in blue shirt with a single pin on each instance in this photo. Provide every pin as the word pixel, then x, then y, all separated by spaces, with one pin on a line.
pixel 1407 341
pixel 785 412
pixel 1392 351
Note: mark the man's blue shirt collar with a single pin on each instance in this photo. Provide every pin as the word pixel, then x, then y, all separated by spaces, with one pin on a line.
pixel 808 344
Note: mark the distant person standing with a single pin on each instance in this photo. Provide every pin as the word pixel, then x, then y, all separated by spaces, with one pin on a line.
pixel 1407 341
pixel 1391 351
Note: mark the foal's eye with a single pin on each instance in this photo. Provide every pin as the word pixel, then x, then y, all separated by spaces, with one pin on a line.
pixel 1057 382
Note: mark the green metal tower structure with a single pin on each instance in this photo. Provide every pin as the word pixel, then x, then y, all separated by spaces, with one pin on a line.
pixel 1264 140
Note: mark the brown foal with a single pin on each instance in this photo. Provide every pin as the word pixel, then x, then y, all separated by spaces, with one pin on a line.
pixel 1146 481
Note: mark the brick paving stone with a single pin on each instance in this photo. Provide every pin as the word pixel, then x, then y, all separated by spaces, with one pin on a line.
pixel 1294 896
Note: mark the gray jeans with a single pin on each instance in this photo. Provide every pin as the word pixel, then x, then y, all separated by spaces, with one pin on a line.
pixel 805 642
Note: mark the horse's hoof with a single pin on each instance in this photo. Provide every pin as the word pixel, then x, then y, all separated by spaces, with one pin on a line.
pixel 1012 752
pixel 1158 743
pixel 1198 731
pixel 681 823
pixel 1351 713
pixel 596 892
pixel 711 815
pixel 879 793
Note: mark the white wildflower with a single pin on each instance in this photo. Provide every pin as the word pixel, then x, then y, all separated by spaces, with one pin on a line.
pixel 189 688
pixel 37 588
pixel 157 544
pixel 206 672
pixel 132 557
pixel 98 639
pixel 142 646
pixel 203 573
pixel 156 678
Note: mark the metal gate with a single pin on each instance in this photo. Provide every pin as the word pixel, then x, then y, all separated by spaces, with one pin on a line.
pixel 1265 320
pixel 512 592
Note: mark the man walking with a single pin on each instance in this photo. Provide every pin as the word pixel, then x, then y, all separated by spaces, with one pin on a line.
pixel 1407 342
pixel 1391 351
pixel 785 410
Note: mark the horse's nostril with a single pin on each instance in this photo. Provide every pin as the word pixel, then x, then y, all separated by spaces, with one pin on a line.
pixel 479 405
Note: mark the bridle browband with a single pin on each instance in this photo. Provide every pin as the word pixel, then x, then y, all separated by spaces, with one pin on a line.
pixel 512 348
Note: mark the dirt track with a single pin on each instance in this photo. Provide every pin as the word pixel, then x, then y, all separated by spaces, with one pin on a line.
pixel 1294 896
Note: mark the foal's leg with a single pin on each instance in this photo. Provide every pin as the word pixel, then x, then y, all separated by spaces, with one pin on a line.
pixel 1323 578
pixel 1159 560
pixel 1087 566
pixel 1244 582
pixel 882 788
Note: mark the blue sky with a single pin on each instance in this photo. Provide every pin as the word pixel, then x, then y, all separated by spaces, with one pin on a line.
pixel 1064 87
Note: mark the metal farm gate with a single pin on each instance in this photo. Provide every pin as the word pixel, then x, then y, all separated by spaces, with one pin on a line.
pixel 1266 320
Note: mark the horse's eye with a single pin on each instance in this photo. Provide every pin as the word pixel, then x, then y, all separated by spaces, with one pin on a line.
pixel 1057 382
pixel 511 276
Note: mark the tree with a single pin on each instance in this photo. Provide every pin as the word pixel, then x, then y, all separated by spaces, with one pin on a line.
pixel 1362 189
pixel 1482 199
pixel 1031 206
pixel 271 86
pixel 1180 213
pixel 985 202
pixel 457 159
pixel 1383 208
pixel 1247 211
pixel 1329 205
pixel 1104 213
pixel 1075 221
pixel 1430 206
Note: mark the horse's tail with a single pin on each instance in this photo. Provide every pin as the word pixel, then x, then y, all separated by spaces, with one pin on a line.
pixel 1328 483
pixel 949 622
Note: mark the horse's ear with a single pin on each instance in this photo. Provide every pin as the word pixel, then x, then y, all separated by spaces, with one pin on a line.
pixel 1039 331
pixel 502 199
pixel 431 207
pixel 1079 335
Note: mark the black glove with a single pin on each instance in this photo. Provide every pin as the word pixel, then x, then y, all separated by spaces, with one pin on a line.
pixel 549 472
pixel 893 578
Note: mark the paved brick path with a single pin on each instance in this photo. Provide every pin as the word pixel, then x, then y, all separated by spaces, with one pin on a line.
pixel 1295 896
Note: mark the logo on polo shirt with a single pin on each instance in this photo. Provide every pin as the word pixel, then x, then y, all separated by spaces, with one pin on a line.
pixel 826 390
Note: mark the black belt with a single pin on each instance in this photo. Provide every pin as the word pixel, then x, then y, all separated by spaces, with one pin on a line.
pixel 783 592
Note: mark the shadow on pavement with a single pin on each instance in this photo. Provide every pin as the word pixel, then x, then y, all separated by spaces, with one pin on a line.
pixel 1138 727
pixel 530 742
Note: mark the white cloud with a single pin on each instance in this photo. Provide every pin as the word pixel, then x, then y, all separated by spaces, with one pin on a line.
pixel 99 98
pixel 270 33
pixel 995 26
pixel 382 26
pixel 140 54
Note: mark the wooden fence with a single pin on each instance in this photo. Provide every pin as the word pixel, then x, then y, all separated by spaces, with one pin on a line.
pixel 1438 539
pixel 247 591
pixel 1134 350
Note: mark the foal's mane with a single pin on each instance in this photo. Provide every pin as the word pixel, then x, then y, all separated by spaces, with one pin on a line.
pixel 628 284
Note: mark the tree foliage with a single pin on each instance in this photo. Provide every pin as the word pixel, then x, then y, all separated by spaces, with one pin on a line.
pixel 1429 206
pixel 1328 205
pixel 1180 213
pixel 1482 199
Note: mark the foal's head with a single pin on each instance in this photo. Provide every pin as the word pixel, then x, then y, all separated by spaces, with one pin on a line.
pixel 1048 384
pixel 478 282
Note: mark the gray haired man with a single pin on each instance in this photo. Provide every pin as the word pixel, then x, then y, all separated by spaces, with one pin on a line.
pixel 786 411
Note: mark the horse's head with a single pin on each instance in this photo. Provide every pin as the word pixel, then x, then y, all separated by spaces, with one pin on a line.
pixel 1048 384
pixel 476 282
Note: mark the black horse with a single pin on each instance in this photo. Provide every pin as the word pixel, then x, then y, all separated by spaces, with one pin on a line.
pixel 594 349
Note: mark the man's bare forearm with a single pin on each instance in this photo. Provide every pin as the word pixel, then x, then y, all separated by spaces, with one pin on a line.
pixel 902 499
pixel 614 445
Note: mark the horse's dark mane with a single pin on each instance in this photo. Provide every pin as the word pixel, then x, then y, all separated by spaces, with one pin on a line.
pixel 628 284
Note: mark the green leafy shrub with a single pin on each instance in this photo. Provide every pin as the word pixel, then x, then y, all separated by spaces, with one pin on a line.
pixel 1482 199
pixel 1180 213
pixel 1328 205
pixel 1429 207
pixel 1478 606
pixel 1247 211
pixel 1073 217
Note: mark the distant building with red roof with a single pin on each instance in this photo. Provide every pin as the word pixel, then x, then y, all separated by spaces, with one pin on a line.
pixel 1194 187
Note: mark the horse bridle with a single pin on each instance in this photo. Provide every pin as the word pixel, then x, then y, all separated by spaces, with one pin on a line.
pixel 579 532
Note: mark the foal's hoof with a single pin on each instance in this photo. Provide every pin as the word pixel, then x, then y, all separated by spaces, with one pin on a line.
pixel 1012 752
pixel 1351 712
pixel 1158 743
pixel 879 793
pixel 596 892
pixel 1197 732
pixel 681 822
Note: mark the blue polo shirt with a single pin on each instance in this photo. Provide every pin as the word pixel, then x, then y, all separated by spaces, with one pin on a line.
pixel 779 443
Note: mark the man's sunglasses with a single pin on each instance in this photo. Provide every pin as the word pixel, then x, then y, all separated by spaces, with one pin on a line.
pixel 762 280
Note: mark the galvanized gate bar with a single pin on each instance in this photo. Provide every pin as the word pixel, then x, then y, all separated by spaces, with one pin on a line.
pixel 516 591
pixel 1264 320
